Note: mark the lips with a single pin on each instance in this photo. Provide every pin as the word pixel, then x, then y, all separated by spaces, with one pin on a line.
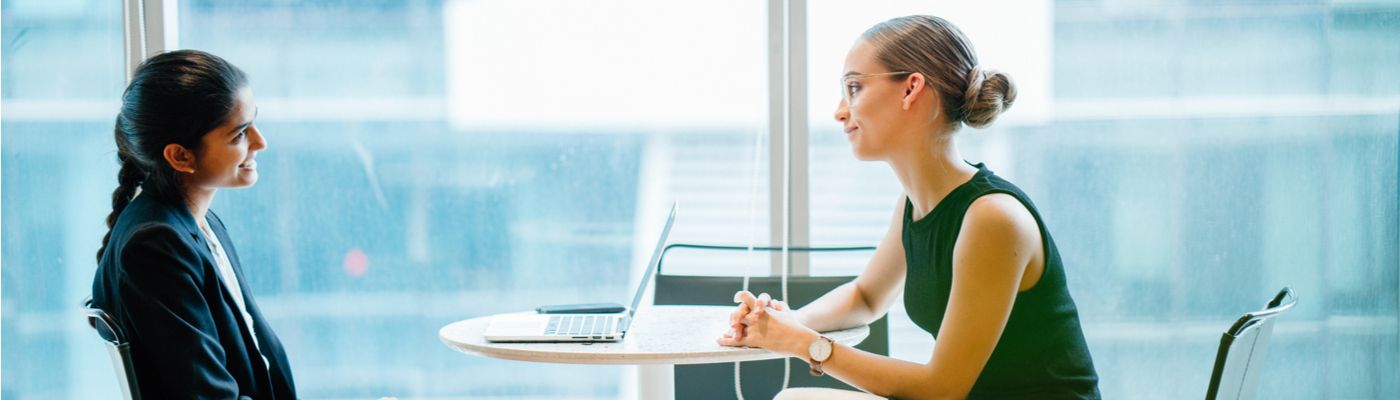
pixel 250 164
pixel 851 129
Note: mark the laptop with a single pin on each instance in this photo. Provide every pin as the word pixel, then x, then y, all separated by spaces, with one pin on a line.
pixel 577 327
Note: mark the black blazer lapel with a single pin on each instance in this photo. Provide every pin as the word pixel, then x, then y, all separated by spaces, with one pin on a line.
pixel 278 375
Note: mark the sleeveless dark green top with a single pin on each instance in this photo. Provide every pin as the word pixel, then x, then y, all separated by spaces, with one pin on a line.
pixel 1041 353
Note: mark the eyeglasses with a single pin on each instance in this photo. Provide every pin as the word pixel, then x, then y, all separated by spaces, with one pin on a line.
pixel 848 89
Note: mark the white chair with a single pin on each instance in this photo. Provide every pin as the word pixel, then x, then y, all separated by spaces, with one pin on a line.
pixel 1240 360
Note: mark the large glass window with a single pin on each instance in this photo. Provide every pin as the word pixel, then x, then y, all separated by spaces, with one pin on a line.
pixel 1190 159
pixel 62 73
pixel 431 161
pixel 435 160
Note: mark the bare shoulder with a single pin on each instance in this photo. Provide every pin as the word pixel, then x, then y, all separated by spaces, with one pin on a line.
pixel 999 209
pixel 999 220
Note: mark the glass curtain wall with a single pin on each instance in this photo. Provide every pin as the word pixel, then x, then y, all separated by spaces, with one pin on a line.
pixel 1190 158
pixel 428 161
pixel 435 160
pixel 61 73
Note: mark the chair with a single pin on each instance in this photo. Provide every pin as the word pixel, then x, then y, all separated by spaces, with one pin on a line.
pixel 761 379
pixel 117 347
pixel 1240 359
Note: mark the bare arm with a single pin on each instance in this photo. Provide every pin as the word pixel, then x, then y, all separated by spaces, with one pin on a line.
pixel 866 299
pixel 998 240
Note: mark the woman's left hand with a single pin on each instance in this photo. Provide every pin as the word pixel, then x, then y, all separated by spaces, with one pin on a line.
pixel 772 326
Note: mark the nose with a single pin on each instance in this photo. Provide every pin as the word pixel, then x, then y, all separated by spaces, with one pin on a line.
pixel 843 112
pixel 258 141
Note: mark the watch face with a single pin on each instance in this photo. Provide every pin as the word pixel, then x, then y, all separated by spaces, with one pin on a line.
pixel 819 350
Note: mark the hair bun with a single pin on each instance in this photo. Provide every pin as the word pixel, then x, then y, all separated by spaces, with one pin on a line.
pixel 989 93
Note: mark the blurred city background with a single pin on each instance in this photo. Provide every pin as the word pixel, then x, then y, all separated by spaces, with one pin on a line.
pixel 436 160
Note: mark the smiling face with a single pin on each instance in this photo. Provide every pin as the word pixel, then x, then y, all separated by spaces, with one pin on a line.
pixel 226 155
pixel 875 102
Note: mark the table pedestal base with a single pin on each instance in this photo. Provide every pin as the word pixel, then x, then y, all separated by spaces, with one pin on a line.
pixel 656 381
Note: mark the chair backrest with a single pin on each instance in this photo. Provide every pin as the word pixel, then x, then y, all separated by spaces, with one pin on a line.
pixel 117 347
pixel 1240 359
pixel 761 379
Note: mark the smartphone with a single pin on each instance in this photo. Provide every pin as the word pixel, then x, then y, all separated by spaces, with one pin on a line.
pixel 591 308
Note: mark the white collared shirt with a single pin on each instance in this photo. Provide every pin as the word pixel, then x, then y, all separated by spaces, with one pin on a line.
pixel 231 282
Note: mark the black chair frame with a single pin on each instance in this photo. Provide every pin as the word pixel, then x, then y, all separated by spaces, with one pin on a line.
pixel 761 379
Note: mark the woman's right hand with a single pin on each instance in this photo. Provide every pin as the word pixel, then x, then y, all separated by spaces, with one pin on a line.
pixel 749 304
pixel 736 326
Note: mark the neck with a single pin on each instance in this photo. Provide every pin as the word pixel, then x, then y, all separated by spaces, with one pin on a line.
pixel 929 172
pixel 197 200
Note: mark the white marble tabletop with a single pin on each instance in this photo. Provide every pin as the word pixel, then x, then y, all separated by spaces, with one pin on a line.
pixel 659 335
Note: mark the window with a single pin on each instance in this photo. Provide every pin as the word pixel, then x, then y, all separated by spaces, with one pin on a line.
pixel 1189 159
pixel 62 74
pixel 434 160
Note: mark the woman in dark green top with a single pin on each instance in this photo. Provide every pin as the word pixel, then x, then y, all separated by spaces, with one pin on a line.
pixel 978 268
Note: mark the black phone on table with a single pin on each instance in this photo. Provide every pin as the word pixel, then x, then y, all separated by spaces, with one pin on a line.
pixel 590 308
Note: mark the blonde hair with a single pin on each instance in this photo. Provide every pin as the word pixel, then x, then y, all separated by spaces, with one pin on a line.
pixel 933 47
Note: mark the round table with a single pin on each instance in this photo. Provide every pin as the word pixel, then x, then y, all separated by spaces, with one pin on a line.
pixel 660 337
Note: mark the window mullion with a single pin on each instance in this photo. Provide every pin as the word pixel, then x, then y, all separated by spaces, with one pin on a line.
pixel 133 37
pixel 777 205
pixel 149 28
pixel 799 222
pixel 787 123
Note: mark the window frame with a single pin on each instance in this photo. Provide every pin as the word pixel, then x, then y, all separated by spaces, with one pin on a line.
pixel 152 26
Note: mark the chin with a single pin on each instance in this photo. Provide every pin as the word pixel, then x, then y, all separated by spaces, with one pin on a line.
pixel 247 181
pixel 863 155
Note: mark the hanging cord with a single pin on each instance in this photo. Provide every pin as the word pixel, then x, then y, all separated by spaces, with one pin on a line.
pixel 750 248
pixel 753 201
pixel 787 189
pixel 787 163
pixel 753 235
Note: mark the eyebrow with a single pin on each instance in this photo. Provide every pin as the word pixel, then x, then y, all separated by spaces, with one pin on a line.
pixel 244 125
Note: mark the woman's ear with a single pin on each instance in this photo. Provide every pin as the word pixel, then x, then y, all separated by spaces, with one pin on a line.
pixel 914 87
pixel 179 158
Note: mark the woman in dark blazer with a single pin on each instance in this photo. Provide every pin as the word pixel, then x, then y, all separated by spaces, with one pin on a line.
pixel 167 271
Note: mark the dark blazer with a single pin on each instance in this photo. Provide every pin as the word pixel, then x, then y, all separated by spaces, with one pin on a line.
pixel 158 279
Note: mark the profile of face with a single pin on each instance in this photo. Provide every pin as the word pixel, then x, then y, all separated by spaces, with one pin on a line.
pixel 227 154
pixel 874 101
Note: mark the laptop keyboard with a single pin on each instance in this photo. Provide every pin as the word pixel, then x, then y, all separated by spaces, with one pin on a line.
pixel 580 325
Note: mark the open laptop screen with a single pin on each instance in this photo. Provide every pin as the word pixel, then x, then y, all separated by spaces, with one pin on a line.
pixel 651 265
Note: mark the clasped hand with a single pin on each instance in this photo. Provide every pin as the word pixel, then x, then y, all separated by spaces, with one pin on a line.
pixel 768 324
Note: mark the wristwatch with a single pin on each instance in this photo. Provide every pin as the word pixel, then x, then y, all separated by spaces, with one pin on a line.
pixel 818 352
